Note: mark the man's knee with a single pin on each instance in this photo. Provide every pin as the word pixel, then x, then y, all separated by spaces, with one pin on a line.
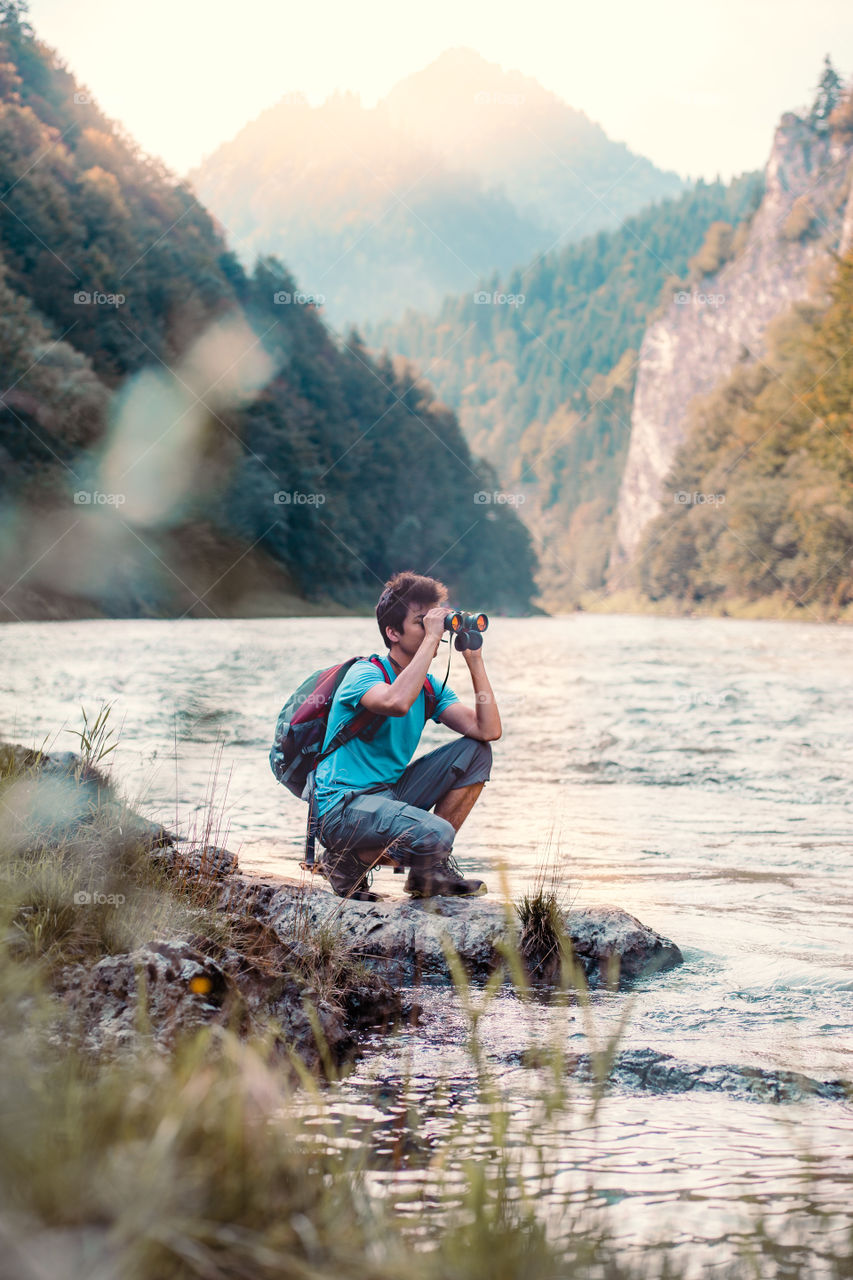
pixel 404 829
pixel 478 760
pixel 427 835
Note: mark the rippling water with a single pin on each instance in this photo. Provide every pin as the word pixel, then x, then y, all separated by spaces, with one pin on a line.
pixel 698 773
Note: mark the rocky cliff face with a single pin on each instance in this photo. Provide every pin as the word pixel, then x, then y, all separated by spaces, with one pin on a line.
pixel 722 319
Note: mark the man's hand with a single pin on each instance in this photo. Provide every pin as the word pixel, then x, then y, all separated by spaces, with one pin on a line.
pixel 434 622
pixel 396 699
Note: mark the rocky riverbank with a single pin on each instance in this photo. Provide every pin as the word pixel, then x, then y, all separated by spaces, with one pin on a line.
pixel 145 936
pixel 409 941
pixel 301 961
pixel 121 924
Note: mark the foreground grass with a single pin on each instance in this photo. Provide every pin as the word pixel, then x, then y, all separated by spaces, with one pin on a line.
pixel 210 1164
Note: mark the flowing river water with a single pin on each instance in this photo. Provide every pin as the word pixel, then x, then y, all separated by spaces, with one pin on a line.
pixel 696 772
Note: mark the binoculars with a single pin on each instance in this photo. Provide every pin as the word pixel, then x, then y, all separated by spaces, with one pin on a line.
pixel 468 628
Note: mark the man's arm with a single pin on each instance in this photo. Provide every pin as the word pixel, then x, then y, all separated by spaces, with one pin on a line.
pixel 396 699
pixel 483 720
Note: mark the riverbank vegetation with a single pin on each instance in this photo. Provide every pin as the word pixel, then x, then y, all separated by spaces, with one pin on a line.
pixel 775 607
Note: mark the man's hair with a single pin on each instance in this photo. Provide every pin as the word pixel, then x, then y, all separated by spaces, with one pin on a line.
pixel 402 591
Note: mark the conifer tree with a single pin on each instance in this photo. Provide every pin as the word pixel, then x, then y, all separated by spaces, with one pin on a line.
pixel 828 92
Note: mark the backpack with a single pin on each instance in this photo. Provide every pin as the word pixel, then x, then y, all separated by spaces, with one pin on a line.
pixel 301 727
pixel 300 731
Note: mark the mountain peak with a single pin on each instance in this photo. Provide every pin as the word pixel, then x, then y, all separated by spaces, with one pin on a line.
pixel 461 55
pixel 459 74
pixel 471 144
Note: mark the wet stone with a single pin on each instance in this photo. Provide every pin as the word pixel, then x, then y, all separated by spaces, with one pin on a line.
pixel 408 940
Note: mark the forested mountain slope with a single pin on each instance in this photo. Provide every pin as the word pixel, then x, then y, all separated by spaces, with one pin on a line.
pixel 521 345
pixel 588 376
pixel 180 435
pixel 541 369
pixel 758 504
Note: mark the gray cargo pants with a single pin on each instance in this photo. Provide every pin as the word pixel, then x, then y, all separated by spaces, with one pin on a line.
pixel 396 815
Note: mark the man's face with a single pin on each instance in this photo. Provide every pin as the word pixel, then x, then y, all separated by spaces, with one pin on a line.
pixel 413 628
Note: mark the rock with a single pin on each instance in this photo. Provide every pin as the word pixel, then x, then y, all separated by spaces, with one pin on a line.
pixel 272 975
pixel 186 987
pixel 297 957
pixel 153 835
pixel 16 758
pixel 205 862
pixel 405 940
pixel 662 1073
pixel 57 795
pixel 604 936
pixel 183 989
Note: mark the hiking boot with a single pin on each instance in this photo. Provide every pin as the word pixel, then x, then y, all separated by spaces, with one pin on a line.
pixel 348 876
pixel 442 879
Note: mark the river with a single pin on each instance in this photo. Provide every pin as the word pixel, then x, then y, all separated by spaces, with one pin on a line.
pixel 696 772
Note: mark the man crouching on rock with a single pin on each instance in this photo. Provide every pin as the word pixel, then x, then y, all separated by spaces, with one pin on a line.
pixel 372 804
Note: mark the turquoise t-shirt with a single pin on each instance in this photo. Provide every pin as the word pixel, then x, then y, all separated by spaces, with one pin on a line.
pixel 358 765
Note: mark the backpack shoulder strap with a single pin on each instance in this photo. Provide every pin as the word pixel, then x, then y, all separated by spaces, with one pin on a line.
pixel 357 723
pixel 377 662
pixel 430 699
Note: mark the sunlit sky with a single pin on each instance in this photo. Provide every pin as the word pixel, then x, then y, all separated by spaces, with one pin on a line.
pixel 696 87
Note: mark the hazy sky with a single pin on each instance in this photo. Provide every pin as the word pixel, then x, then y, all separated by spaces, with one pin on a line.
pixel 696 87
